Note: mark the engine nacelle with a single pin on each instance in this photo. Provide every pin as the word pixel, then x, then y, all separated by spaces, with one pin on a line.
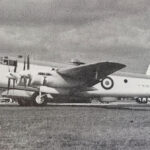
pixel 59 82
pixel 56 91
pixel 37 80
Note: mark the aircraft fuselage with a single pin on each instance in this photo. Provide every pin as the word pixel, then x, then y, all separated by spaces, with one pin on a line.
pixel 117 84
pixel 122 85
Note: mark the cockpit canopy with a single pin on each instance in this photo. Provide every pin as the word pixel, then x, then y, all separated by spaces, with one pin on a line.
pixel 7 61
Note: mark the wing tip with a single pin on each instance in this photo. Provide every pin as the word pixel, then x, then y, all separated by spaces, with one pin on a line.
pixel 118 65
pixel 121 65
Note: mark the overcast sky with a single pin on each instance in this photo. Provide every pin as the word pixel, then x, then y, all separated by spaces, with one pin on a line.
pixel 90 30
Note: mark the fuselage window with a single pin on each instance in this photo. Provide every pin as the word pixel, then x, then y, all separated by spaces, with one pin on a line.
pixel 44 74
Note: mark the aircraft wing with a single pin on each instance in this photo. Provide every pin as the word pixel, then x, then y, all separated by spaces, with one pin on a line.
pixel 91 72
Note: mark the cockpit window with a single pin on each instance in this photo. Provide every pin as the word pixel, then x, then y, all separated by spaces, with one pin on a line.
pixel 6 61
pixel 44 74
pixel 41 73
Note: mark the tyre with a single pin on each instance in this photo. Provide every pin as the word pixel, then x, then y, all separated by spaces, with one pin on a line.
pixel 39 101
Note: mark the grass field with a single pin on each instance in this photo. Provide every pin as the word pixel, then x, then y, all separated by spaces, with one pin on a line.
pixel 74 128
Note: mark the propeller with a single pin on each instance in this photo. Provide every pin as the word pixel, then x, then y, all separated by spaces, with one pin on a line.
pixel 24 81
pixel 25 76
pixel 26 64
pixel 28 75
pixel 21 77
pixel 11 77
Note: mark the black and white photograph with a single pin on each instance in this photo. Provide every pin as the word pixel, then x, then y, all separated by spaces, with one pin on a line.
pixel 74 75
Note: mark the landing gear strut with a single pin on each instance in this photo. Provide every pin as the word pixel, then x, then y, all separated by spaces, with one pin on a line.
pixel 36 100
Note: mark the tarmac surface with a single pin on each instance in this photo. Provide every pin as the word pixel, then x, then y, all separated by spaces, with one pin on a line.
pixel 115 126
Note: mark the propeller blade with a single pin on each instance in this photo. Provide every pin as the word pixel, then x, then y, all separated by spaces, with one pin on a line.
pixel 29 83
pixel 25 81
pixel 28 62
pixel 15 69
pixel 14 83
pixel 13 75
pixel 8 86
pixel 24 64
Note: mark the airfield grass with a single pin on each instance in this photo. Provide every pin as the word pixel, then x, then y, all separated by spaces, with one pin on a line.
pixel 73 128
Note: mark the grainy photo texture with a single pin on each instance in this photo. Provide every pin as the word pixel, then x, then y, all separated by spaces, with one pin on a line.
pixel 74 75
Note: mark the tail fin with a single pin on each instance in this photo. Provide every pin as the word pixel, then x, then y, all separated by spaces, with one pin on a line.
pixel 148 70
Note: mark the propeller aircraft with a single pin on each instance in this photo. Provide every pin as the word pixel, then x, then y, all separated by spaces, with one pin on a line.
pixel 37 86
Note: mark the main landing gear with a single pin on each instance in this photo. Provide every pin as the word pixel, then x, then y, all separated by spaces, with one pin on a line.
pixel 39 99
pixel 142 100
pixel 36 100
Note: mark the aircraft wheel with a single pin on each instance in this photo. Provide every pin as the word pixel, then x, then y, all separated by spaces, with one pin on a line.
pixel 39 101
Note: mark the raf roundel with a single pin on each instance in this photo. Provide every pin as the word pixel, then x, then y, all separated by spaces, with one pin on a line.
pixel 107 83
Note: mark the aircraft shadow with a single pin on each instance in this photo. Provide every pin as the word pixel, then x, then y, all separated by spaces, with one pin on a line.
pixel 137 107
pixel 128 108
